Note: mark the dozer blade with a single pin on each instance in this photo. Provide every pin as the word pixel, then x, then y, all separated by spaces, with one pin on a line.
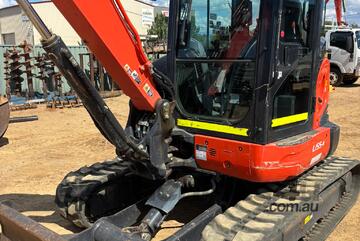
pixel 16 227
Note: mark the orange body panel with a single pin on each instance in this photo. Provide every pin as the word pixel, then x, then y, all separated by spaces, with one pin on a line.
pixel 322 92
pixel 262 163
pixel 338 9
pixel 107 31
pixel 273 162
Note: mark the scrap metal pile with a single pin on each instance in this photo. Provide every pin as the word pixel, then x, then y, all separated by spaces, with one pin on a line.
pixel 21 69
pixel 13 72
pixel 18 64
pixel 52 81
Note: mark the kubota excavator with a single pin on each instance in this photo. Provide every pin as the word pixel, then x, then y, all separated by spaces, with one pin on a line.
pixel 235 116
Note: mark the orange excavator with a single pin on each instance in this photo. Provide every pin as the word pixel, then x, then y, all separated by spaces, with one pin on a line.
pixel 233 121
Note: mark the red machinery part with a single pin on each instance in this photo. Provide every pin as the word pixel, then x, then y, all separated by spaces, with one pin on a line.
pixel 274 162
pixel 338 9
pixel 108 32
pixel 322 92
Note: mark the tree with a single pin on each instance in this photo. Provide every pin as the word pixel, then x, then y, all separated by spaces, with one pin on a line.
pixel 159 27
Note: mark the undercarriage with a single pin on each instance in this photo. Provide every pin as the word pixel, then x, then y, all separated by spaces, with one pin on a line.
pixel 307 208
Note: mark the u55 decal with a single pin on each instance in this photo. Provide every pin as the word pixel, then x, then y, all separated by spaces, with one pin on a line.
pixel 318 146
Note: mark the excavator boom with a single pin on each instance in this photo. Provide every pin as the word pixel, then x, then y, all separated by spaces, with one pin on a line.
pixel 108 32
pixel 338 10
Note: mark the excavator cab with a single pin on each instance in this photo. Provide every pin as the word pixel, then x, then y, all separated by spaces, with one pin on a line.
pixel 219 49
pixel 245 74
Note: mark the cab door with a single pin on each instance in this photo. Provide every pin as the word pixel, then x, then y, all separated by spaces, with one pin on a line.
pixel 292 88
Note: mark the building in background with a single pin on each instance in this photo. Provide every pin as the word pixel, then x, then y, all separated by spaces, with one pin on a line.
pixel 161 10
pixel 15 27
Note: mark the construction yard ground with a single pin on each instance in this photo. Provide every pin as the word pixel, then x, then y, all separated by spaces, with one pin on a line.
pixel 35 156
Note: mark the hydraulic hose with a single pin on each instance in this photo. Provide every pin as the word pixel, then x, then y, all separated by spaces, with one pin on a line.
pixel 77 79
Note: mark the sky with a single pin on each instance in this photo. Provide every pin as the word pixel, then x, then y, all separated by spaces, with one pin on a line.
pixel 6 3
pixel 158 2
pixel 352 15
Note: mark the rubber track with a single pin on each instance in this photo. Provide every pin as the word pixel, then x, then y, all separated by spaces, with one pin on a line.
pixel 251 219
pixel 328 223
pixel 75 189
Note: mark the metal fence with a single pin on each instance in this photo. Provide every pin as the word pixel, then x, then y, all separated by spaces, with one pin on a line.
pixel 37 83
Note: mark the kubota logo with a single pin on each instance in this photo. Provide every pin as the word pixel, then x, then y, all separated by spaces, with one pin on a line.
pixel 318 146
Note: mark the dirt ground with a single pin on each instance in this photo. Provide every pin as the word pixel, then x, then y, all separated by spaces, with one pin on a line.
pixel 35 156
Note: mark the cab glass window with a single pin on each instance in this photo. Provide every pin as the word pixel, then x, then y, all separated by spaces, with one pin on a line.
pixel 215 63
pixel 222 28
pixel 295 67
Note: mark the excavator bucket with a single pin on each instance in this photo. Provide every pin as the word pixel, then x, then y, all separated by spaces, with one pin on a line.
pixel 15 226
pixel 4 115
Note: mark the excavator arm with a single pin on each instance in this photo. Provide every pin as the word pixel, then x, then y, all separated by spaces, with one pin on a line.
pixel 109 34
pixel 338 9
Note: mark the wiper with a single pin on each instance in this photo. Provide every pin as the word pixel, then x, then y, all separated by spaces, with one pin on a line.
pixel 185 16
